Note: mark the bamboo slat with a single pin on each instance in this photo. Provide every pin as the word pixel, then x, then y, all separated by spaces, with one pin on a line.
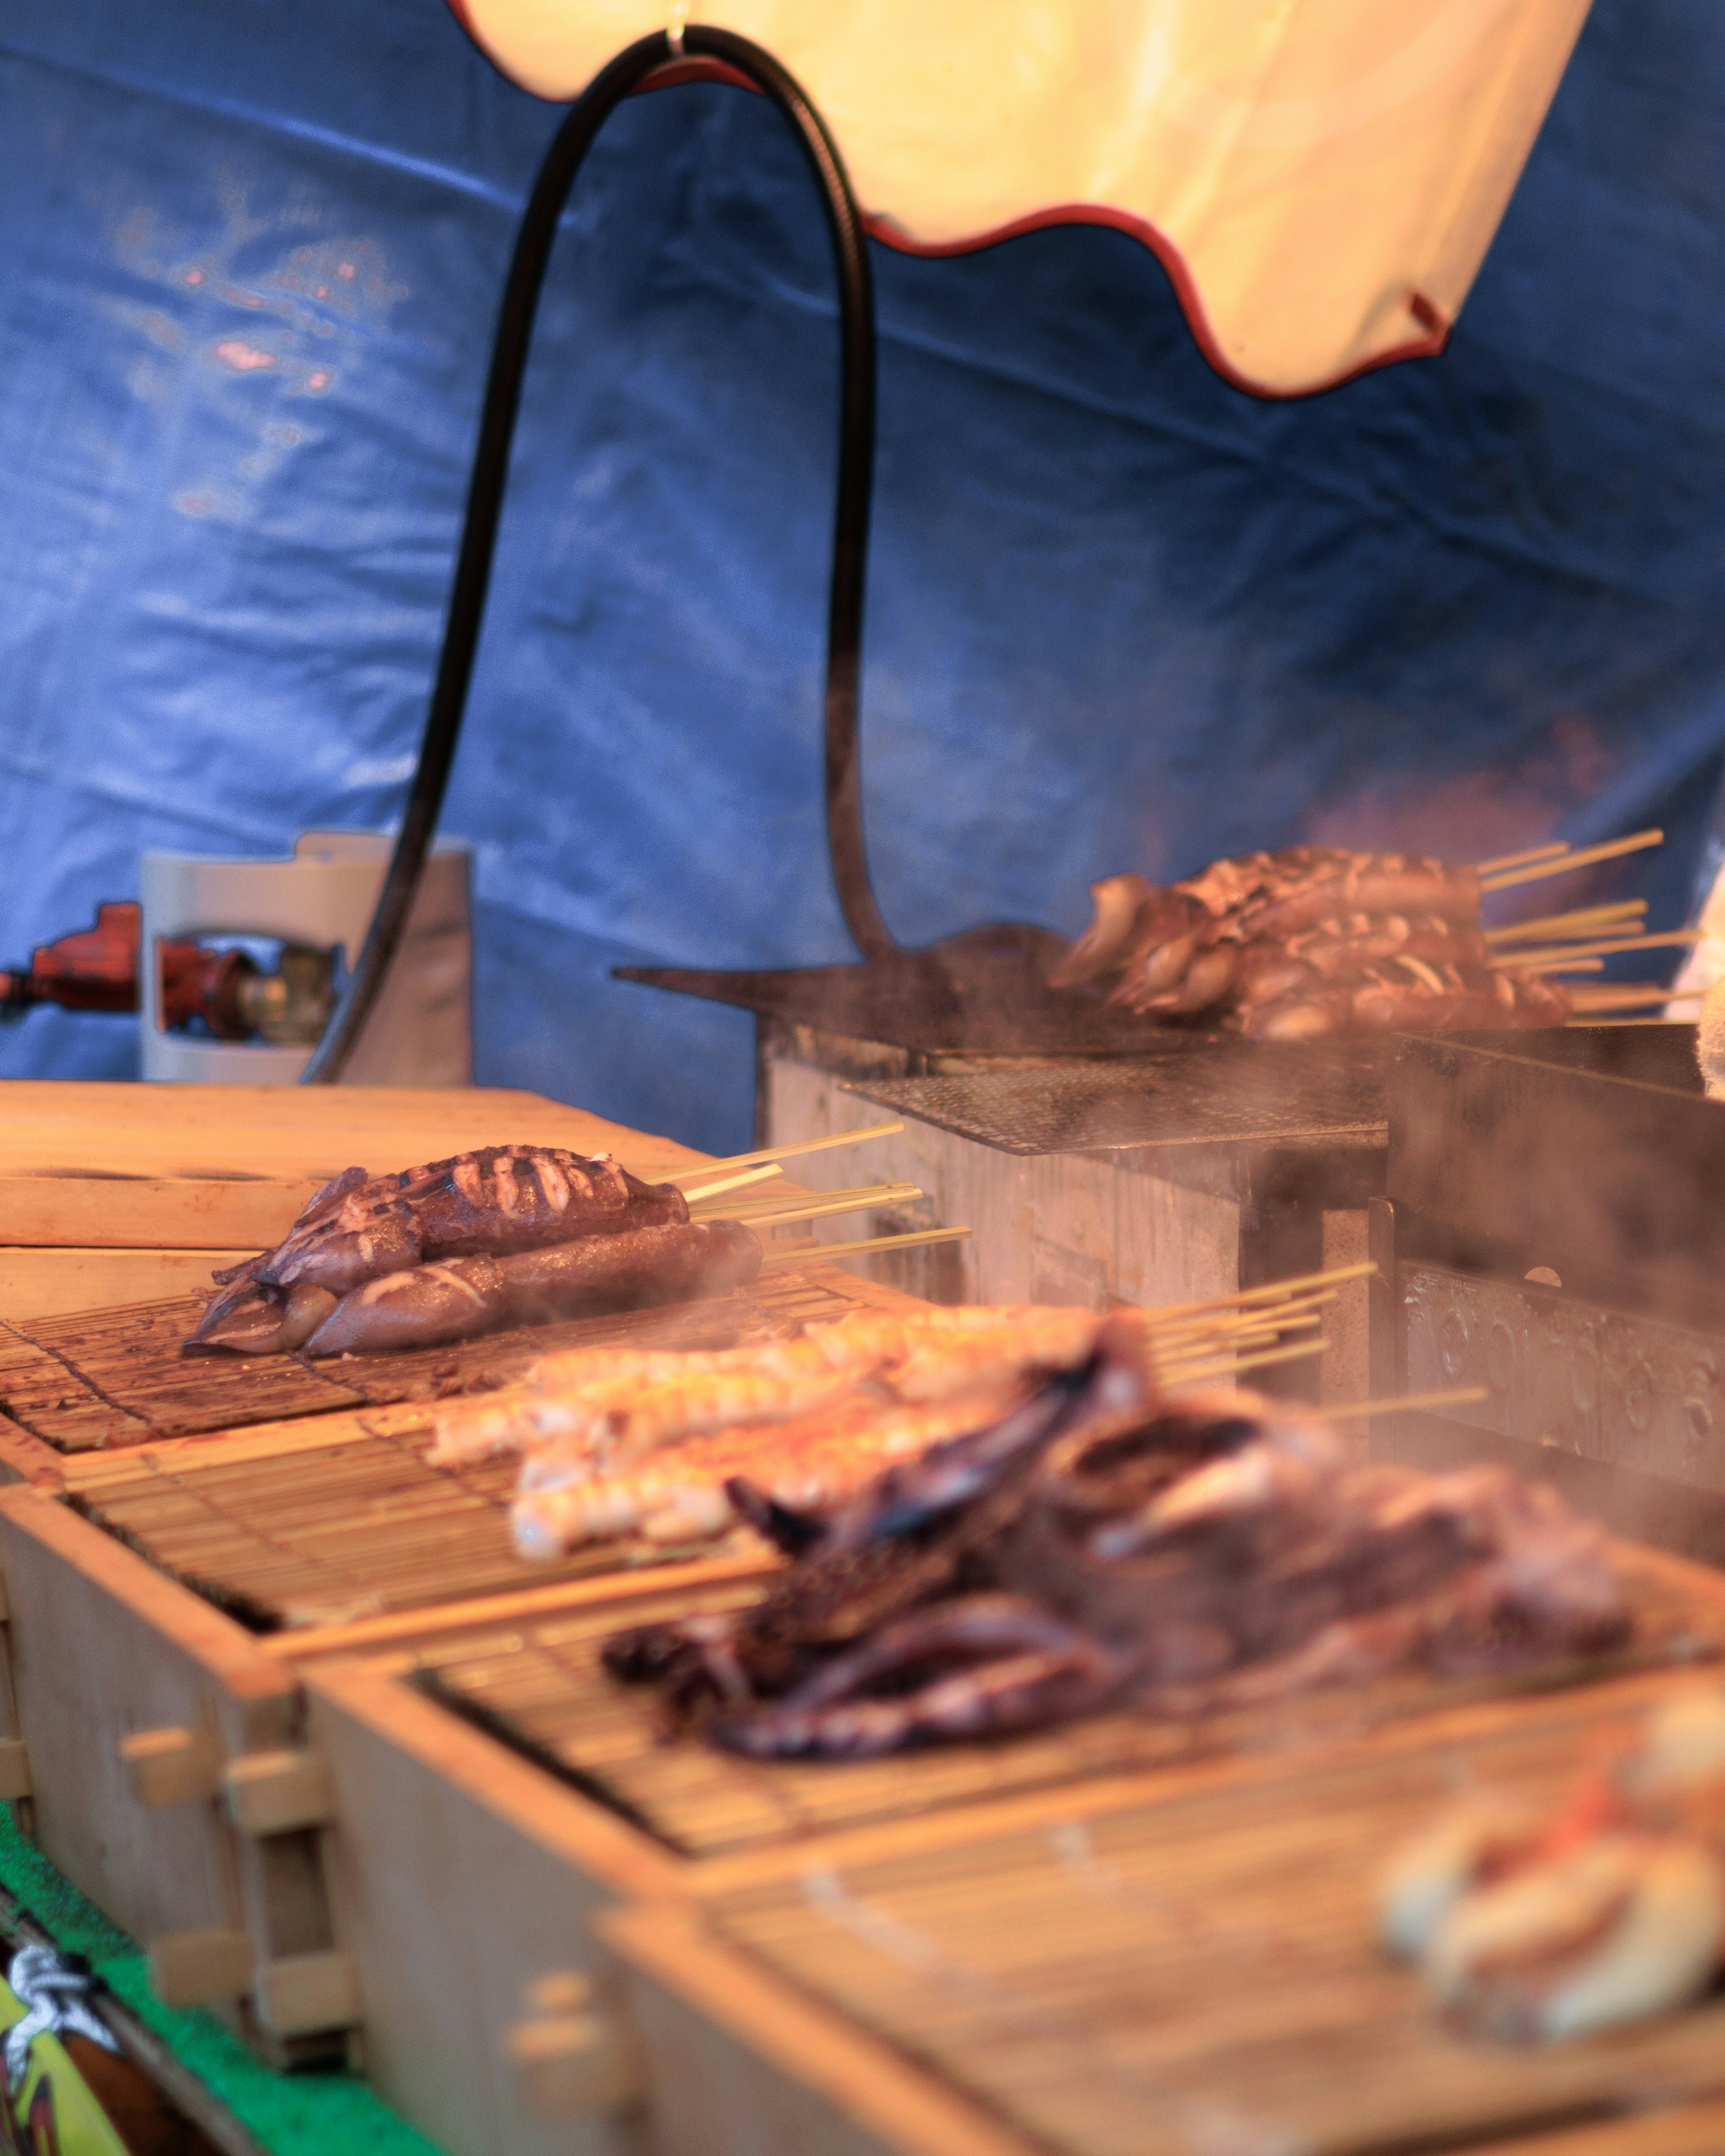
pixel 1194 1973
pixel 337 1518
pixel 538 1684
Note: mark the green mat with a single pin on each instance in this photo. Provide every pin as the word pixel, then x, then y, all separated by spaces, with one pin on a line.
pixel 321 2114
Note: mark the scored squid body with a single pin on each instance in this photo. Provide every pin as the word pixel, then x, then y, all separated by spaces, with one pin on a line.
pixel 356 1229
pixel 454 1298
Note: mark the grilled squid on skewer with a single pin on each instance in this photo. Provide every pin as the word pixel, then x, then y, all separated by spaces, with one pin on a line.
pixel 1116 901
pixel 428 1305
pixel 499 1202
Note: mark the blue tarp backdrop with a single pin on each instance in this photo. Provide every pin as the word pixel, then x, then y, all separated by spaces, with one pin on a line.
pixel 1119 615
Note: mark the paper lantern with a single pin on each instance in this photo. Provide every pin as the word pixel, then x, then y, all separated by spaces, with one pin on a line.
pixel 1321 178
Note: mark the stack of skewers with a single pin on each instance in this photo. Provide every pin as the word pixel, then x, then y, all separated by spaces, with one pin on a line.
pixel 1312 941
pixel 616 1442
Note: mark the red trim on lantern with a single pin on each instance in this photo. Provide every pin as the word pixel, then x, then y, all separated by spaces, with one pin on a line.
pixel 1434 329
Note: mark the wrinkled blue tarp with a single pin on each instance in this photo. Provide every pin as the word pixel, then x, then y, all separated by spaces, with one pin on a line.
pixel 1119 613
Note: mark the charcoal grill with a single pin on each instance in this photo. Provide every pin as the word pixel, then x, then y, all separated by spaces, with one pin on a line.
pixel 1553 1231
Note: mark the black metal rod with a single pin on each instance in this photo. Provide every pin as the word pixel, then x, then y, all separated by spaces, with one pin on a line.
pixel 490 477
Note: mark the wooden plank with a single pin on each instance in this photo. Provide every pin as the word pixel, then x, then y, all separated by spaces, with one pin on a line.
pixel 116 1212
pixel 100 1645
pixel 218 1166
pixel 460 1875
pixel 407 1629
pixel 1696 2130
pixel 55 1282
pixel 741 2063
pixel 26 1459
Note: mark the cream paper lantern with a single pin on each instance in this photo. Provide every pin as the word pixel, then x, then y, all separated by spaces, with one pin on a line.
pixel 1321 178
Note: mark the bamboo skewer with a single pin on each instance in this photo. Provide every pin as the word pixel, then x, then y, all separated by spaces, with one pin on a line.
pixel 1629 997
pixel 1580 922
pixel 1585 857
pixel 850 1201
pixel 1334 1278
pixel 811 1248
pixel 785 1151
pixel 767 1206
pixel 1515 860
pixel 1546 955
pixel 1459 1396
pixel 731 1182
pixel 1199 1373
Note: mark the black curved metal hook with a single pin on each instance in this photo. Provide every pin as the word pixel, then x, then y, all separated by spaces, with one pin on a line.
pixel 490 472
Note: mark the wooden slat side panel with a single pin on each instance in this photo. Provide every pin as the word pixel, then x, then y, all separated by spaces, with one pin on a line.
pixel 459 1876
pixel 100 1645
pixel 742 2065
pixel 1696 2130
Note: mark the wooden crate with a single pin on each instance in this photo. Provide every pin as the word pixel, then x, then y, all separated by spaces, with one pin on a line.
pixel 491 1769
pixel 117 1193
pixel 1132 1970
pixel 143 1624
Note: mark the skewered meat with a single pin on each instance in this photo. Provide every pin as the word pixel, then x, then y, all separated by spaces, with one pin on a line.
pixel 1311 941
pixel 1186 1557
pixel 595 1407
pixel 772 1473
pixel 500 1201
pixel 427 1305
pixel 1613 1909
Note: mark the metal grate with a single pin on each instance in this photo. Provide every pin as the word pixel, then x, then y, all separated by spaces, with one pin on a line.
pixel 325 1520
pixel 116 1378
pixel 1236 1095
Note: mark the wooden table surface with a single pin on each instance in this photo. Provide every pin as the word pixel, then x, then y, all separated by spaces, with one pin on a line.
pixel 113 1193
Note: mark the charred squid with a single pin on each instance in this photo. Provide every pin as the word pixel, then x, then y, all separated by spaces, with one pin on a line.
pixel 494 1202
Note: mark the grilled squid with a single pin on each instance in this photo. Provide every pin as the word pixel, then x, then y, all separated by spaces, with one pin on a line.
pixel 426 1306
pixel 501 1200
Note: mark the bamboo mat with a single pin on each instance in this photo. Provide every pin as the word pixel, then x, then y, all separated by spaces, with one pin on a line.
pixel 539 1687
pixel 328 1519
pixel 112 1378
pixel 1199 1977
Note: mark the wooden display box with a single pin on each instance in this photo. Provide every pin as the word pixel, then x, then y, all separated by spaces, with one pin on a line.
pixel 116 1194
pixel 1166 1969
pixel 488 1783
pixel 323 1828
pixel 248 1552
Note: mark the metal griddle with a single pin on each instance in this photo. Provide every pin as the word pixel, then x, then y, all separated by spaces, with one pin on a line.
pixel 1553 1231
